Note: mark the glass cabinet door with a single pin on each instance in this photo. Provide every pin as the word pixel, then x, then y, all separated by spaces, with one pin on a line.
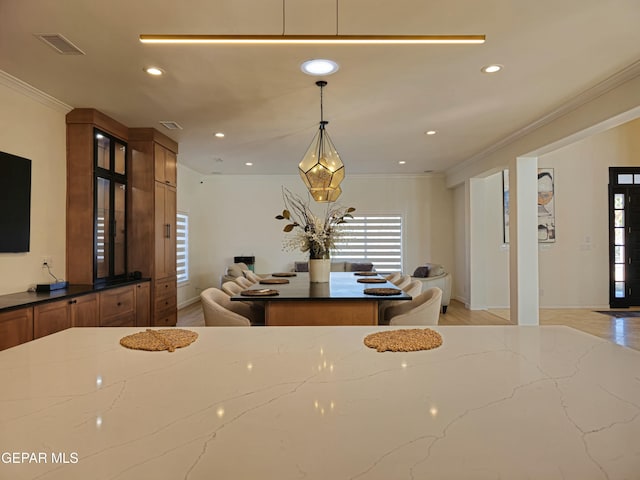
pixel 110 222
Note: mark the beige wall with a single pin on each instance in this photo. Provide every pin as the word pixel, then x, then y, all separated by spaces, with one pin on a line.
pixel 234 215
pixel 33 127
pixel 573 271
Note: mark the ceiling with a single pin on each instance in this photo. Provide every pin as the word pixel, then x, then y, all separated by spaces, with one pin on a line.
pixel 380 102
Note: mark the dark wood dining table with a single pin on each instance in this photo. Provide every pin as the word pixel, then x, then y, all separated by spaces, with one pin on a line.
pixel 341 301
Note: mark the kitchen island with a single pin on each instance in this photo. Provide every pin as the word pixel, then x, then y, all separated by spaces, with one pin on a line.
pixel 509 402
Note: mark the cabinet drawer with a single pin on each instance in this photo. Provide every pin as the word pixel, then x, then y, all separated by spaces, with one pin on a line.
pixel 123 320
pixel 166 319
pixel 168 303
pixel 166 288
pixel 119 302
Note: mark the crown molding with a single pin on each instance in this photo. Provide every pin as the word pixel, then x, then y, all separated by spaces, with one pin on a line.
pixel 33 93
pixel 619 78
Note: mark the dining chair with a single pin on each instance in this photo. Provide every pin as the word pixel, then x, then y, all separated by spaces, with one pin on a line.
pixel 393 277
pixel 252 277
pixel 413 289
pixel 422 310
pixel 219 311
pixel 403 282
pixel 256 313
pixel 244 282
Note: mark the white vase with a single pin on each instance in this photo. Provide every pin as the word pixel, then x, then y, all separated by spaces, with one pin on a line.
pixel 319 270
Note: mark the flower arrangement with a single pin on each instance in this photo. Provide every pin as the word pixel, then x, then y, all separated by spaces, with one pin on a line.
pixel 312 234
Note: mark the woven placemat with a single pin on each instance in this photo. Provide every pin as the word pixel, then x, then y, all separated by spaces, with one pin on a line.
pixel 372 280
pixel 404 340
pixel 283 274
pixel 366 274
pixel 158 340
pixel 273 281
pixel 265 292
pixel 382 291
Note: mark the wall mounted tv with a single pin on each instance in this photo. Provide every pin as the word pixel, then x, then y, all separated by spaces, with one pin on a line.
pixel 15 203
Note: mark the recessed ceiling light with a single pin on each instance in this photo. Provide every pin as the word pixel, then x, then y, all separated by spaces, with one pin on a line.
pixel 430 132
pixel 491 68
pixel 154 71
pixel 219 134
pixel 249 164
pixel 319 66
pixel 402 162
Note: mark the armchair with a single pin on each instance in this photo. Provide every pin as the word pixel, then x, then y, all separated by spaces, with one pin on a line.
pixel 434 275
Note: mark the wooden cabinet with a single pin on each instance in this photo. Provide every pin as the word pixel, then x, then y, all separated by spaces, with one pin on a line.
pixel 96 197
pixel 165 165
pixel 153 238
pixel 118 307
pixel 52 317
pixel 84 311
pixel 16 327
pixel 143 304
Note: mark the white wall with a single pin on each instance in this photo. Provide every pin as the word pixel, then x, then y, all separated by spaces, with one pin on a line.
pixel 234 215
pixel 33 126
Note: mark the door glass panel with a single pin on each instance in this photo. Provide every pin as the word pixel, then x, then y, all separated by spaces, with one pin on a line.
pixel 625 178
pixel 619 236
pixel 619 254
pixel 618 201
pixel 120 155
pixel 102 151
pixel 619 272
pixel 618 218
pixel 102 228
pixel 636 178
pixel 619 290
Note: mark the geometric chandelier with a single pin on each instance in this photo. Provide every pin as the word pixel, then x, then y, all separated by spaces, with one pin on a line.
pixel 321 169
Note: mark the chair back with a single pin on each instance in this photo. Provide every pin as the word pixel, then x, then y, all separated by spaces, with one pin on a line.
pixel 244 282
pixel 403 282
pixel 414 288
pixel 393 277
pixel 252 277
pixel 216 313
pixel 231 288
pixel 422 310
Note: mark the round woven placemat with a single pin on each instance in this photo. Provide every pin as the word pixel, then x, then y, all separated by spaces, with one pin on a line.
pixel 404 340
pixel 273 281
pixel 366 274
pixel 382 291
pixel 372 280
pixel 265 292
pixel 158 340
pixel 283 274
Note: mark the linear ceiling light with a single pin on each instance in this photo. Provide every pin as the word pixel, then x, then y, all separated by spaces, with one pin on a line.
pixel 316 39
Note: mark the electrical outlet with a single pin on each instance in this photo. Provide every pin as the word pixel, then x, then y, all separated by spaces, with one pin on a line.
pixel 46 262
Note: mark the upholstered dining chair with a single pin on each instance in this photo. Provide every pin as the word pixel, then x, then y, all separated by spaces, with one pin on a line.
pixel 393 277
pixel 219 311
pixel 256 308
pixel 414 289
pixel 249 275
pixel 403 282
pixel 244 282
pixel 422 310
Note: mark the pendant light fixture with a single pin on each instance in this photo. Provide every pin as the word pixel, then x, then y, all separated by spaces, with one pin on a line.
pixel 321 169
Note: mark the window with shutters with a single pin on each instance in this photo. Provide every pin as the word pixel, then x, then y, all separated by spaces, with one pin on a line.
pixel 371 238
pixel 182 247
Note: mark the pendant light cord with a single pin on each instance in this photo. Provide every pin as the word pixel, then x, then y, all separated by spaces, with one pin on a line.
pixel 321 108
pixel 283 17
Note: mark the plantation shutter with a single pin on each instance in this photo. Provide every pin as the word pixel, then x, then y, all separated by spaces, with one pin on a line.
pixel 182 247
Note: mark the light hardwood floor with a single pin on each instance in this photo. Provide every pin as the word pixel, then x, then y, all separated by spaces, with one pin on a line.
pixel 623 331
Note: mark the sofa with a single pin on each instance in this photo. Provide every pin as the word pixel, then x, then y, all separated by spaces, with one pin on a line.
pixel 434 275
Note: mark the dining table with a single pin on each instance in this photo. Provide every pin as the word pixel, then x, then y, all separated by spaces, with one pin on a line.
pixel 349 298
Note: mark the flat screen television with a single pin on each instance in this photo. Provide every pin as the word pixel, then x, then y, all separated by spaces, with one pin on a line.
pixel 15 203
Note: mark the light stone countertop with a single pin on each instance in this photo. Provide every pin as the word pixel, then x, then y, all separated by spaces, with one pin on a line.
pixel 494 402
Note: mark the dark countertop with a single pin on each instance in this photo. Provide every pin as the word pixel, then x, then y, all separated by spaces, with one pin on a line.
pixel 342 286
pixel 27 299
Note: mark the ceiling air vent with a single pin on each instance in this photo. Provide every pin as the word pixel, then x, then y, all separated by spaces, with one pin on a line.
pixel 59 43
pixel 169 125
